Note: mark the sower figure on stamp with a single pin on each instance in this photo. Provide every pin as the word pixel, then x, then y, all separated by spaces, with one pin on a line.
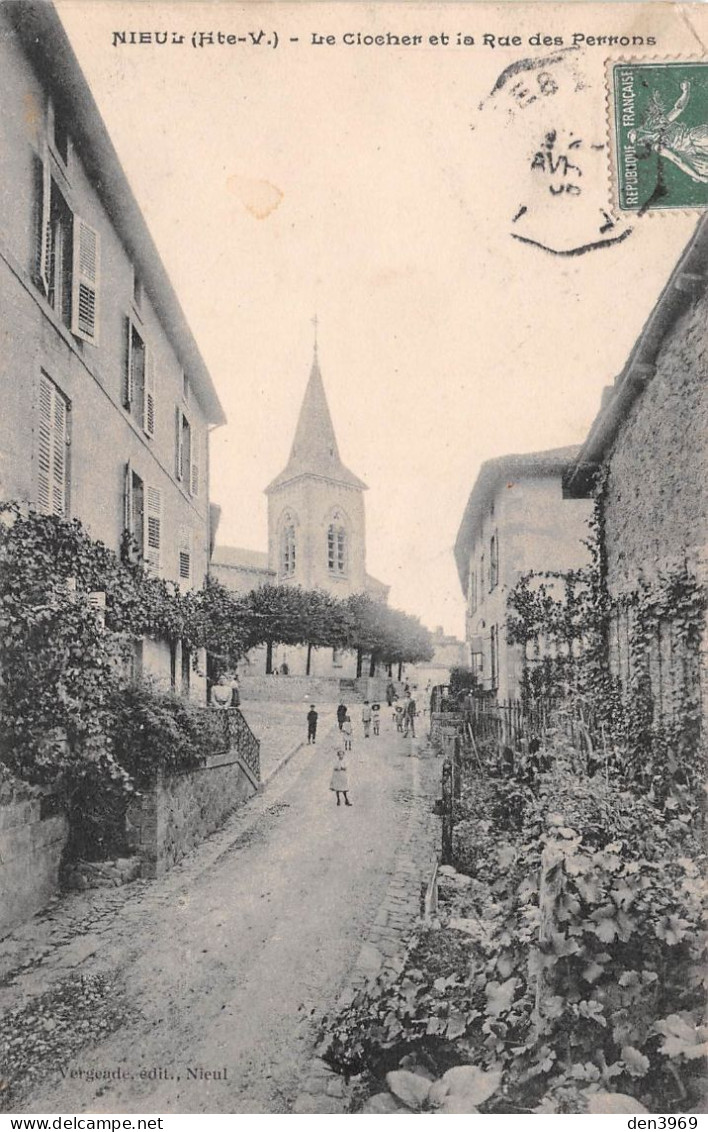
pixel 339 782
pixel 311 724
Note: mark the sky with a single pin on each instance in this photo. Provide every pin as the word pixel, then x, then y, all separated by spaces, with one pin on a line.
pixel 377 187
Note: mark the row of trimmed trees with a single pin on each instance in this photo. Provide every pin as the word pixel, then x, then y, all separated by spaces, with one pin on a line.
pixel 290 615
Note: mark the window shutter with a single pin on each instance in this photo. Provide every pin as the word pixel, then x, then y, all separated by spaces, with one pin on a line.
pixel 153 526
pixel 149 413
pixel 178 442
pixel 59 461
pixel 185 554
pixel 84 312
pixel 44 491
pixel 51 454
pixel 128 377
pixel 194 480
pixel 128 499
pixel 45 230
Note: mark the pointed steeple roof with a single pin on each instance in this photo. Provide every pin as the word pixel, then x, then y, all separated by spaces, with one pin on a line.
pixel 314 451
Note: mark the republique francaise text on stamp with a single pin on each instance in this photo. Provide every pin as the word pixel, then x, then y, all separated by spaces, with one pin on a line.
pixel 659 113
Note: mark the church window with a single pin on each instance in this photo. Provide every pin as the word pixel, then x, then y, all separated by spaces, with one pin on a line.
pixel 287 550
pixel 336 548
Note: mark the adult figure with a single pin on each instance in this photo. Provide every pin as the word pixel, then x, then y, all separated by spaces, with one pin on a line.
pixel 311 724
pixel 341 715
pixel 410 714
pixel 390 693
pixel 221 692
pixel 284 670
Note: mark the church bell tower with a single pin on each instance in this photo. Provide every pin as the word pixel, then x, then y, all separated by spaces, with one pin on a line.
pixel 316 528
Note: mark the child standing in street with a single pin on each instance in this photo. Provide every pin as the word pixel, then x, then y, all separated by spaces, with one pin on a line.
pixel 339 782
pixel 376 717
pixel 366 718
pixel 347 732
pixel 312 725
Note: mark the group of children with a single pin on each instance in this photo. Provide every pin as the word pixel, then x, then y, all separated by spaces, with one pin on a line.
pixel 370 718
pixel 371 721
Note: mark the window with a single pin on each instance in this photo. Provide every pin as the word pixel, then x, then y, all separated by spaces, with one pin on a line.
pixel 58 133
pixel 288 548
pixel 494 655
pixel 68 254
pixel 139 380
pixel 186 457
pixel 134 515
pixel 52 450
pixel 137 290
pixel 56 254
pixel 143 517
pixel 185 388
pixel 336 546
pixel 186 669
pixel 481 580
pixel 472 591
pixel 493 561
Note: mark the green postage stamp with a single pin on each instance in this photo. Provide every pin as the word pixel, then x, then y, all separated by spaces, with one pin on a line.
pixel 660 119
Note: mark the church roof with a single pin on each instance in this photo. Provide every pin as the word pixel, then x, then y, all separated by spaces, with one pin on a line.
pixel 239 558
pixel 314 451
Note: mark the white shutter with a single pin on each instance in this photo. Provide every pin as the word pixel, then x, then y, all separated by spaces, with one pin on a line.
pixel 45 220
pixel 153 526
pixel 44 451
pixel 59 454
pixel 128 499
pixel 51 450
pixel 149 387
pixel 194 477
pixel 84 307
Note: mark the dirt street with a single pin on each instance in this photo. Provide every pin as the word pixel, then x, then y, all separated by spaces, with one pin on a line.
pixel 218 973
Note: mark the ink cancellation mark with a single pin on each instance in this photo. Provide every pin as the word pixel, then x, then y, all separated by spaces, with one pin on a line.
pixel 660 125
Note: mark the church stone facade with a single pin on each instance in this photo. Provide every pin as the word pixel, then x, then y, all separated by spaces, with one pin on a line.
pixel 316 531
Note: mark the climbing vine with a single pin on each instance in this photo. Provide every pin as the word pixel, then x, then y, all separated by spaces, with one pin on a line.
pixel 628 668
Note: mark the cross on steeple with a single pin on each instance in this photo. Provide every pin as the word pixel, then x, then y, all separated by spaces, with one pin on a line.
pixel 315 323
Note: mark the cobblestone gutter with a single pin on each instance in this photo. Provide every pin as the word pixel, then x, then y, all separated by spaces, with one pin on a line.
pixel 384 950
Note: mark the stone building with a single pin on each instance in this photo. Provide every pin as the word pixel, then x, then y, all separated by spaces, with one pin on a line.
pixel 516 521
pixel 316 531
pixel 107 402
pixel 647 453
pixel 448 652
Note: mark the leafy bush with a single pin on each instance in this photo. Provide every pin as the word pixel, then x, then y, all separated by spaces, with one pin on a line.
pixel 574 959
pixel 155 730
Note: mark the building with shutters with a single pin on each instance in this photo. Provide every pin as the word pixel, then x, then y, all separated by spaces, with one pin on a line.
pixel 516 521
pixel 106 400
pixel 316 532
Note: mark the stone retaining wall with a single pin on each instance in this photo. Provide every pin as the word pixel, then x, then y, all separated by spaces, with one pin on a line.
pixel 31 847
pixel 169 819
pixel 290 689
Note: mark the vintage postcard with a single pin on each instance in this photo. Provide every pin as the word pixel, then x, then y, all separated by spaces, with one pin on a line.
pixel 353 558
